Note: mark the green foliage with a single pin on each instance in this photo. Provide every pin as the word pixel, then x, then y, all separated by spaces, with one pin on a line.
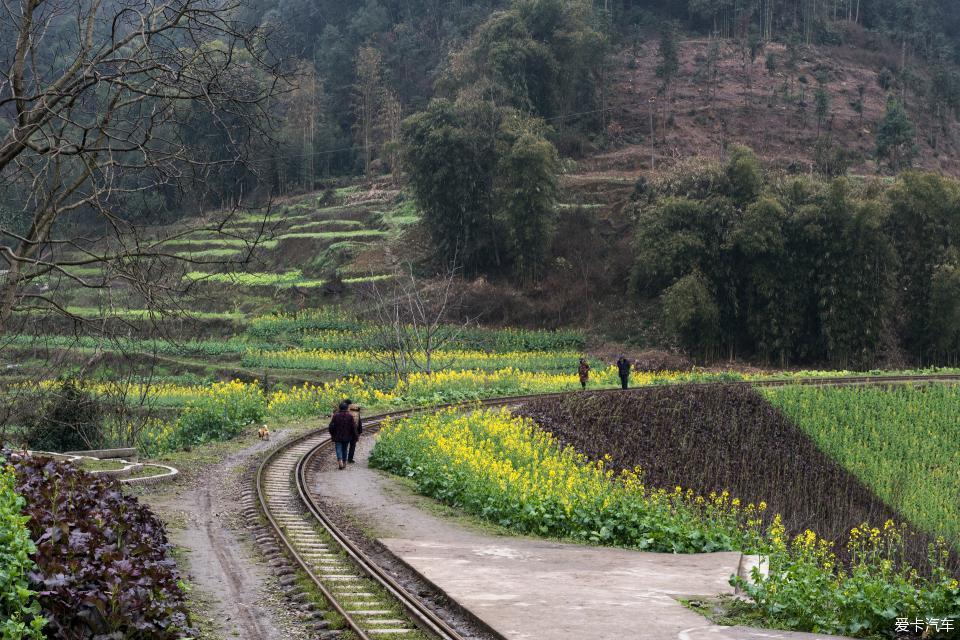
pixel 745 175
pixel 771 63
pixel 759 245
pixel 455 197
pixel 528 191
pixel 20 617
pixel 493 206
pixel 853 274
pixel 863 428
pixel 945 315
pixel 821 101
pixel 508 471
pixel 221 414
pixel 808 590
pixel 291 278
pixel 513 473
pixel 832 160
pixel 924 225
pixel 69 419
pixel 895 136
pixel 802 274
pixel 276 328
pixel 677 237
pixel 334 235
pixel 370 361
pixel 543 57
pixel 668 55
pixel 690 313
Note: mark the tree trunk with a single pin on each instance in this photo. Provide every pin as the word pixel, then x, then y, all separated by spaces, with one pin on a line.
pixel 8 295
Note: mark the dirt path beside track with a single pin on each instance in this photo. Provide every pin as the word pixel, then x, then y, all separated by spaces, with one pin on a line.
pixel 204 521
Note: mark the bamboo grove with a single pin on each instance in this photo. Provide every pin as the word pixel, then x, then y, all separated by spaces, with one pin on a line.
pixel 852 272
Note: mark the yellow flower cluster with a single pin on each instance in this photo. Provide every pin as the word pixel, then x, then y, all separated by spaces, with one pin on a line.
pixel 509 470
pixel 319 399
pixel 364 361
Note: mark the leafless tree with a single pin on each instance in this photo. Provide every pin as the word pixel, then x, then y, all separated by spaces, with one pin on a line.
pixel 106 105
pixel 409 322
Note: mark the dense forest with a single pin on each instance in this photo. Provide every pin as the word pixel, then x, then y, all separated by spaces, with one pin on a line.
pixel 367 65
pixel 342 76
pixel 477 111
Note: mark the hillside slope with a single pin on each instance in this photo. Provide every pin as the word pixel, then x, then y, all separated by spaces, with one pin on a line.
pixel 742 101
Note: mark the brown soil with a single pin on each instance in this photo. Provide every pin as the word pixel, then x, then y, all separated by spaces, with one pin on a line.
pixel 748 106
pixel 716 438
pixel 203 520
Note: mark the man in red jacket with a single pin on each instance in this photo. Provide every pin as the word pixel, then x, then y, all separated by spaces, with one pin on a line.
pixel 343 431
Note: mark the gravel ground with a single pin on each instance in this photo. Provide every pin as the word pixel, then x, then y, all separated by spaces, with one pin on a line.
pixel 236 596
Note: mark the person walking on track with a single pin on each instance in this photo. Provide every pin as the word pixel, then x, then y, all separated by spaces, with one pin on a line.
pixel 354 410
pixel 343 431
pixel 623 368
pixel 584 371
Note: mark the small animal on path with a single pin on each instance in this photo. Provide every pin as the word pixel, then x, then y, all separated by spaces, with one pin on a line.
pixel 263 433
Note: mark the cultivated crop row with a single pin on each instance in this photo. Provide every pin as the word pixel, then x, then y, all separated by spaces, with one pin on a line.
pixel 508 470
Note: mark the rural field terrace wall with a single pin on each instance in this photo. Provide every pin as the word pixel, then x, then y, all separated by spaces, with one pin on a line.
pixel 720 438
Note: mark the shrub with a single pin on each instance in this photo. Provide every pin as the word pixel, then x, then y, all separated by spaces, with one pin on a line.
pixel 806 591
pixel 690 313
pixel 745 175
pixel 220 412
pixel 20 617
pixel 103 566
pixel 69 419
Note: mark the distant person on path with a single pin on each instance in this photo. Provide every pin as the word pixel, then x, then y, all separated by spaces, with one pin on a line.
pixel 343 431
pixel 354 410
pixel 623 368
pixel 584 371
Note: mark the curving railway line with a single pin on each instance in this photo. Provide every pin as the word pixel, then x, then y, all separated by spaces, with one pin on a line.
pixel 371 603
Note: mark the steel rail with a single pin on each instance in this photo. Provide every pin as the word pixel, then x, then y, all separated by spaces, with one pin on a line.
pixel 291 550
pixel 419 613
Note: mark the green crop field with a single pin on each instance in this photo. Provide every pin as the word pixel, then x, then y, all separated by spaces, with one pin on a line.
pixel 334 235
pixel 902 442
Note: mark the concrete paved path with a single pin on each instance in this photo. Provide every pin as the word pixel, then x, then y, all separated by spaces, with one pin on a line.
pixel 528 589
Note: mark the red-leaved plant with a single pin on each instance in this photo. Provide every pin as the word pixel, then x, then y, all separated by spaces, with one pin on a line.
pixel 103 564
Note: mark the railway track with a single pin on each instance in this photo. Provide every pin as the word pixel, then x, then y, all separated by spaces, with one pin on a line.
pixel 371 603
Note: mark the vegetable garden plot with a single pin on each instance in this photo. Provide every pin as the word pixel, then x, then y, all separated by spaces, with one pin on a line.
pixel 103 563
pixel 903 442
pixel 723 438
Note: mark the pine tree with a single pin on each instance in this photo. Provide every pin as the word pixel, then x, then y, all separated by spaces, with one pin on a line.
pixel 895 136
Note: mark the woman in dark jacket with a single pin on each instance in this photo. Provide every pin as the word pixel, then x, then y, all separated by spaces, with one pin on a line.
pixel 343 431
pixel 354 410
pixel 584 372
